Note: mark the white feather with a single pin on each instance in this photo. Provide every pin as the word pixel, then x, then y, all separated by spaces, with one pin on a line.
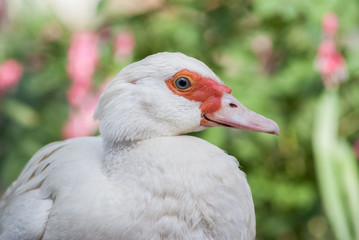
pixel 138 180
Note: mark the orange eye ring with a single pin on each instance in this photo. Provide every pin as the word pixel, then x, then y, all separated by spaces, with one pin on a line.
pixel 183 83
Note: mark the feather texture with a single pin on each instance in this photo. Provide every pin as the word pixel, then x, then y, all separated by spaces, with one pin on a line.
pixel 140 179
pixel 161 188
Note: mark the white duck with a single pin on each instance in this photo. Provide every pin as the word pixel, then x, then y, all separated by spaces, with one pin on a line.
pixel 139 179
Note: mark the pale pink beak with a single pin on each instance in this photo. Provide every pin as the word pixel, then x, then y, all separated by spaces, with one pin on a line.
pixel 234 114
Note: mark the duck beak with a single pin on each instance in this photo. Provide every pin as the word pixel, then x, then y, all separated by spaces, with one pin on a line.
pixel 233 114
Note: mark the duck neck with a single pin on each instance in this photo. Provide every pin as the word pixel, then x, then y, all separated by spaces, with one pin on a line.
pixel 115 153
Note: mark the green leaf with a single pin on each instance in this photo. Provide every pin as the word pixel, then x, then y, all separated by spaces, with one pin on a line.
pixel 330 180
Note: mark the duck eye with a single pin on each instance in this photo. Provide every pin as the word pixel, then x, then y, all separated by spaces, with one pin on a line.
pixel 182 83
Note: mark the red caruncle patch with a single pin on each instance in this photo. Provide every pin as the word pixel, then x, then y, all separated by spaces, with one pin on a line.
pixel 205 90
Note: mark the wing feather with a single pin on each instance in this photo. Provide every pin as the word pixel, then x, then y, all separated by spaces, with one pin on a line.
pixel 25 206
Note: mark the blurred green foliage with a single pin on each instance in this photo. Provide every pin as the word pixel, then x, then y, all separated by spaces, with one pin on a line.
pixel 336 168
pixel 264 50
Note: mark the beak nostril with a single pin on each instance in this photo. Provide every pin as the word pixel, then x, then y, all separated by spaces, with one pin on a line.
pixel 232 105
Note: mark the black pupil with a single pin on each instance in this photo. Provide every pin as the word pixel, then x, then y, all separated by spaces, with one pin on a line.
pixel 182 83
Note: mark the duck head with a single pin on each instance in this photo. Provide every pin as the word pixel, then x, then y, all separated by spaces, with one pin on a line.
pixel 169 94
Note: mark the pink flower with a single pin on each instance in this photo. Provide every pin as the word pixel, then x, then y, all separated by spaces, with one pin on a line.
pixel 77 93
pixel 10 73
pixel 124 45
pixel 83 58
pixel 330 24
pixel 81 122
pixel 329 61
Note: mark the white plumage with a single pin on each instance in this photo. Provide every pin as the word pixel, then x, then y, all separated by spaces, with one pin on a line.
pixel 139 179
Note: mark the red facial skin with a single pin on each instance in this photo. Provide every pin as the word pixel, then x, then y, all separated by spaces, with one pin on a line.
pixel 212 95
pixel 204 90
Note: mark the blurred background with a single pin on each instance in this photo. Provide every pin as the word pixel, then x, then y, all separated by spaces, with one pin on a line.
pixel 296 62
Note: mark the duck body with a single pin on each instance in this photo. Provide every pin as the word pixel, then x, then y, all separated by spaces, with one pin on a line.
pixel 142 178
pixel 161 188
